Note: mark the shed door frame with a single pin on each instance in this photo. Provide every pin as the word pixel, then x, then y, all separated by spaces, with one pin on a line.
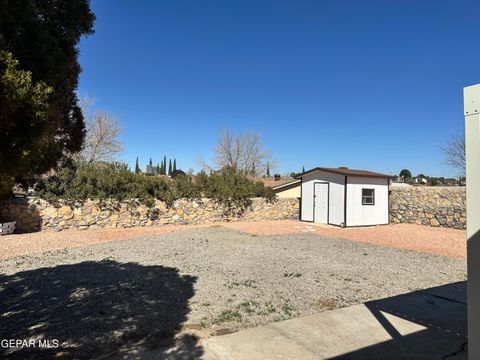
pixel 328 198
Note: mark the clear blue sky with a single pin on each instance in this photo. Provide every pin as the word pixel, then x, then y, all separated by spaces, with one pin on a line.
pixel 374 85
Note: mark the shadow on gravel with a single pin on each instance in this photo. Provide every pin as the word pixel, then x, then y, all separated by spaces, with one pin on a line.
pixel 441 310
pixel 96 308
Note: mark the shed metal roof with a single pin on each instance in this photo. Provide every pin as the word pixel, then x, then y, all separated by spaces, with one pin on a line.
pixel 347 172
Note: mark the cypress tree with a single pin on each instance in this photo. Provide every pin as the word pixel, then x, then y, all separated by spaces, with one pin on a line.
pixel 268 170
pixel 150 163
pixel 170 167
pixel 174 164
pixel 303 169
pixel 137 167
pixel 164 165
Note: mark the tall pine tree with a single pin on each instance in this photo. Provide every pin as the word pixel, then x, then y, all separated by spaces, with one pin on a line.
pixel 137 167
pixel 174 164
pixel 164 165
pixel 170 167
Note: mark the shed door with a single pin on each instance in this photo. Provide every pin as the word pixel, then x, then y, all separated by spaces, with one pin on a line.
pixel 320 201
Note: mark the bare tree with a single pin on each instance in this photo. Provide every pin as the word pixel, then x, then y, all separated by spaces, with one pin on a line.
pixel 244 152
pixel 455 153
pixel 102 141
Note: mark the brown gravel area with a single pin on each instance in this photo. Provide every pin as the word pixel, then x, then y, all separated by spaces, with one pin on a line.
pixel 440 241
pixel 27 244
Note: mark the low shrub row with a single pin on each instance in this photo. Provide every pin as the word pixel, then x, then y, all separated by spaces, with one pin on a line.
pixel 74 182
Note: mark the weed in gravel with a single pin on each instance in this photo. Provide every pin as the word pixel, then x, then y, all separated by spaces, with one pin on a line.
pixel 288 309
pixel 295 275
pixel 203 323
pixel 247 283
pixel 206 304
pixel 269 308
pixel 228 315
pixel 248 306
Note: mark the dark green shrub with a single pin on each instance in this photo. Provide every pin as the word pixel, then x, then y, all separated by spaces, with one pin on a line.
pixel 103 181
pixel 232 189
pixel 184 187
pixel 78 182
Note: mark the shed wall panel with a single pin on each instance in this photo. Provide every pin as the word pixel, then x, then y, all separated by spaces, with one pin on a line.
pixel 336 196
pixel 358 214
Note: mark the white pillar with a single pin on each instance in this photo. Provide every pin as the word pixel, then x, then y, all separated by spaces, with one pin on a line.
pixel 471 96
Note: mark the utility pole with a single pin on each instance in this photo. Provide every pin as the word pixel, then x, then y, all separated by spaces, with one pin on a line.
pixel 471 97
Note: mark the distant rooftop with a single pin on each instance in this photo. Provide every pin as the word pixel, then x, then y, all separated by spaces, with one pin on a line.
pixel 271 182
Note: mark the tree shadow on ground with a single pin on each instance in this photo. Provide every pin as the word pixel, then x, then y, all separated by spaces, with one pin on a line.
pixel 96 308
pixel 442 311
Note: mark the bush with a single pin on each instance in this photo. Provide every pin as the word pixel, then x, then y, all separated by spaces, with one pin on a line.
pixel 232 189
pixel 103 181
pixel 78 182
pixel 228 184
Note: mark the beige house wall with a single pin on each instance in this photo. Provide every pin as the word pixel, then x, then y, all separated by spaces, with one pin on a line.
pixel 287 192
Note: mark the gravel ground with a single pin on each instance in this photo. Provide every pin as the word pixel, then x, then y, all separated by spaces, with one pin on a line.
pixel 145 290
pixel 433 240
pixel 441 241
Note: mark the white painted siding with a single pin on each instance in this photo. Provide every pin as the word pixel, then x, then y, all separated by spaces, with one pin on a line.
pixel 336 194
pixel 358 214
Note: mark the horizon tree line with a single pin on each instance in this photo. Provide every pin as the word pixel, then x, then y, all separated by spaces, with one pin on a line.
pixel 159 169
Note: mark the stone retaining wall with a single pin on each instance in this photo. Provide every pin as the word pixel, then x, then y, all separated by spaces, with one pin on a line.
pixel 35 214
pixel 429 205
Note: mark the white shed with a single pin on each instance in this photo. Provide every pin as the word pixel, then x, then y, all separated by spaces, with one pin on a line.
pixel 344 197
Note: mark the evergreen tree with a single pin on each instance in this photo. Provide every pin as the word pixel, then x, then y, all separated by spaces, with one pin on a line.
pixel 174 164
pixel 268 170
pixel 157 169
pixel 40 119
pixel 164 165
pixel 137 167
pixel 170 167
pixel 150 163
pixel 303 169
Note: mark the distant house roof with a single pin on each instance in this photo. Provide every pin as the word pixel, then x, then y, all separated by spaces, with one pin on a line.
pixel 348 172
pixel 286 184
pixel 178 172
pixel 271 182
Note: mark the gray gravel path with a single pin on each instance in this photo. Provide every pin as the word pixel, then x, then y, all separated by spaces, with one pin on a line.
pixel 145 290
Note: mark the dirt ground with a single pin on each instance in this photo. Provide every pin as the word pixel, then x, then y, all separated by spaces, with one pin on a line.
pixel 440 241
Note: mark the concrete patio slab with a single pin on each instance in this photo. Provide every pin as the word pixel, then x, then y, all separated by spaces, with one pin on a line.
pixel 258 343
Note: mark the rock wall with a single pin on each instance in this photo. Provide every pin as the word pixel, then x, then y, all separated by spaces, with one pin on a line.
pixel 33 214
pixel 429 205
pixel 432 206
